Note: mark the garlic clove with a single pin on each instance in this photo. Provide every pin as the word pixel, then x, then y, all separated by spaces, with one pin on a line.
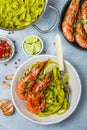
pixel 9 111
pixel 3 102
pixel 7 107
pixel 9 77
pixel 6 84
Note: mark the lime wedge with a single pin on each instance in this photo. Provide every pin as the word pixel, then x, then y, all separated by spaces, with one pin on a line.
pixel 37 46
pixel 49 67
pixel 31 39
pixel 32 45
pixel 29 48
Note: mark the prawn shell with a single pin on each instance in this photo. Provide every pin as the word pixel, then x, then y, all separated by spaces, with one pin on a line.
pixel 30 77
pixel 35 108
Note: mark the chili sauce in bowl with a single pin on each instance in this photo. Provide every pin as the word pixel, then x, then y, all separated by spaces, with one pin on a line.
pixel 6 49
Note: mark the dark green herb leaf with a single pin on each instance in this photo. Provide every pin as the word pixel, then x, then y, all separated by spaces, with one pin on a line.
pixel 74 25
pixel 26 83
pixel 85 33
pixel 53 93
pixel 34 94
pixel 74 34
pixel 25 91
pixel 41 90
pixel 79 22
pixel 45 92
pixel 40 78
pixel 43 98
pixel 46 110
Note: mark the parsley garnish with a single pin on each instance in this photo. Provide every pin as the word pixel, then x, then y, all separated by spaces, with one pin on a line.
pixel 74 34
pixel 53 93
pixel 43 98
pixel 34 94
pixel 46 110
pixel 25 91
pixel 85 33
pixel 44 92
pixel 74 25
pixel 79 22
pixel 26 83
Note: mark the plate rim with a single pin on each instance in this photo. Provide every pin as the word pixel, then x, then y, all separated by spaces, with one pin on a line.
pixel 51 122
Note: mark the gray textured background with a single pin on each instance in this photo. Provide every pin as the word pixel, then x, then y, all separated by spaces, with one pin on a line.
pixel 78 120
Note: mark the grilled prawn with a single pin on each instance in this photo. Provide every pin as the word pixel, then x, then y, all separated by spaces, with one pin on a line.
pixel 84 15
pixel 36 99
pixel 81 37
pixel 69 20
pixel 25 84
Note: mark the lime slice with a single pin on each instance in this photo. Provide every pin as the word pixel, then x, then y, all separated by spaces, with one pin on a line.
pixel 31 39
pixel 32 45
pixel 29 48
pixel 49 67
pixel 37 46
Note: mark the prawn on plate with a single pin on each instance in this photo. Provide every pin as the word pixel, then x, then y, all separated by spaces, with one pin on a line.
pixel 36 99
pixel 69 20
pixel 24 85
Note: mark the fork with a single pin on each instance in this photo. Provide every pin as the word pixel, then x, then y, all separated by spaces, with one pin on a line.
pixel 59 51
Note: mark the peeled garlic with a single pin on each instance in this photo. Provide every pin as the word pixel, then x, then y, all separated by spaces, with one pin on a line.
pixel 6 107
pixel 6 84
pixel 9 77
pixel 3 102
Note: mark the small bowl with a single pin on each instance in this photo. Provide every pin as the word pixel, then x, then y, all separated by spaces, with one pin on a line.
pixel 12 47
pixel 32 43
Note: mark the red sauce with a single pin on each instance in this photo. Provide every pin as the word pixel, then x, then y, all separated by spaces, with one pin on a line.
pixel 5 50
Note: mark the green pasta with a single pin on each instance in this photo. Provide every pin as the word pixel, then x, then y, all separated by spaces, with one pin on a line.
pixel 17 14
pixel 55 94
pixel 56 102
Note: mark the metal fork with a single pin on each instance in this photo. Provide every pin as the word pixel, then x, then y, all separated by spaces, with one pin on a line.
pixel 58 45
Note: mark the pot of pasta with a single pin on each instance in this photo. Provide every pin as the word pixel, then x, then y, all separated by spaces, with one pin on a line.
pixel 18 14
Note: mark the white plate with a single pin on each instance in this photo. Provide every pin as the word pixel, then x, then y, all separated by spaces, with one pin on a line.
pixel 75 87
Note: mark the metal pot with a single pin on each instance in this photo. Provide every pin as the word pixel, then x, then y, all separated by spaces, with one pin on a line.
pixel 55 23
pixel 34 24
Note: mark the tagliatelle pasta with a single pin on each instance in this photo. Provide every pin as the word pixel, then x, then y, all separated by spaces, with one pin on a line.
pixel 42 88
pixel 56 102
pixel 16 14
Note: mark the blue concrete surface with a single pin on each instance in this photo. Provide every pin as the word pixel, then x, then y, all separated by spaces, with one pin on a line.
pixel 78 58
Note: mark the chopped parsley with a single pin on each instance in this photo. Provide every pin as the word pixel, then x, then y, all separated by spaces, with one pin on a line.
pixel 46 110
pixel 74 25
pixel 79 22
pixel 53 93
pixel 74 34
pixel 43 98
pixel 34 94
pixel 85 33
pixel 26 83
pixel 44 92
pixel 25 91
